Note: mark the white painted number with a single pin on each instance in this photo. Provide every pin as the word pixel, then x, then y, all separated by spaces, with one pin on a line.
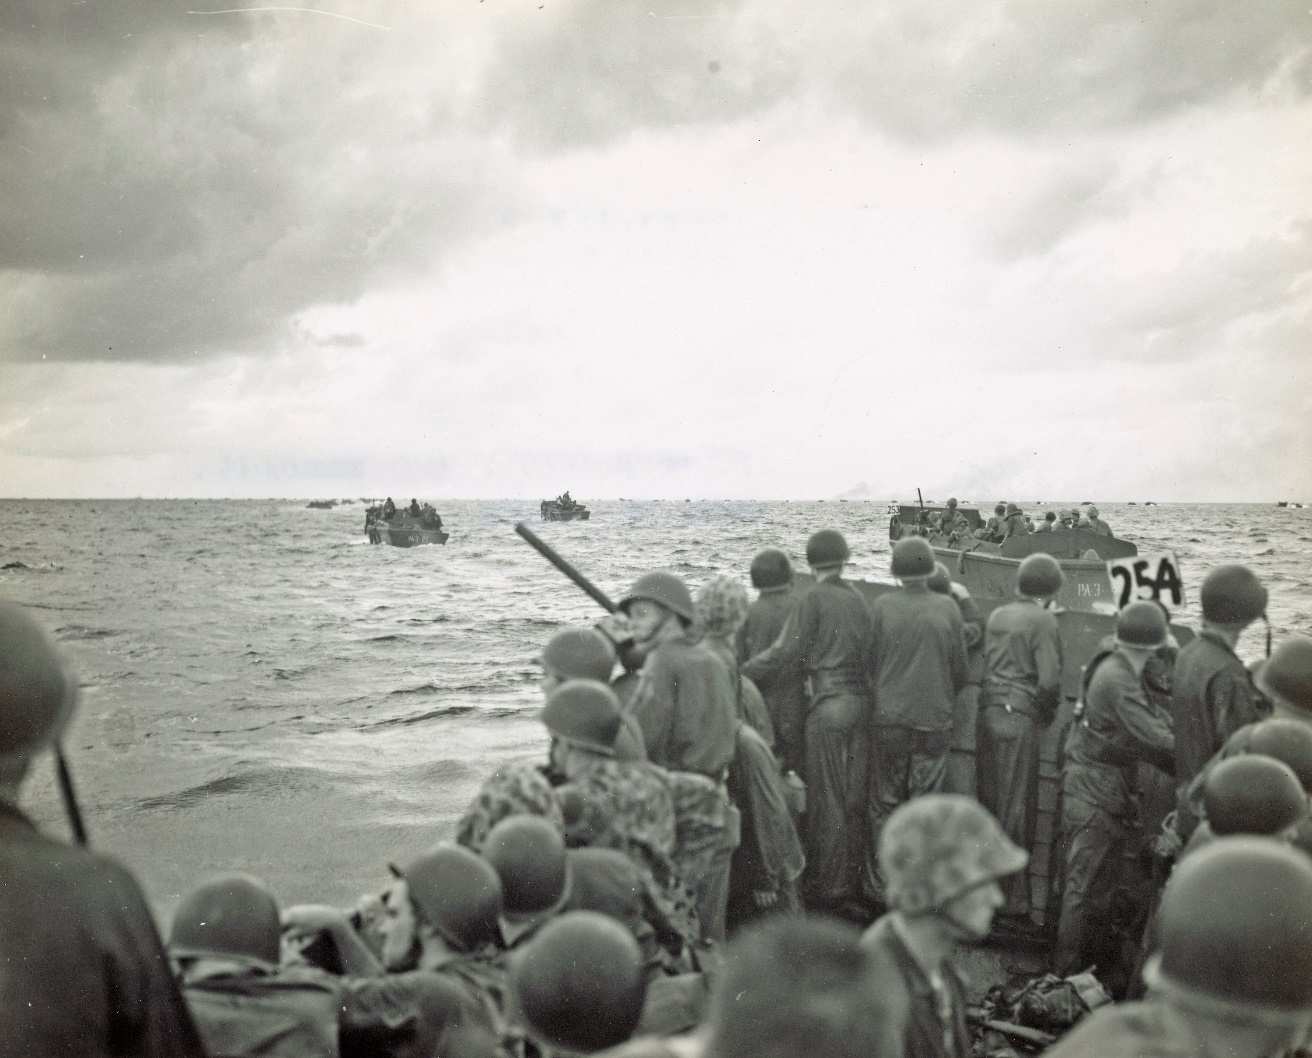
pixel 1147 577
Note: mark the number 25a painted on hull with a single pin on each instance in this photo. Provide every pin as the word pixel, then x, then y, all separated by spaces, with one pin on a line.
pixel 1153 577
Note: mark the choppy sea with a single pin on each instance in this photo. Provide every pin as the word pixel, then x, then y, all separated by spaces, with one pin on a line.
pixel 263 690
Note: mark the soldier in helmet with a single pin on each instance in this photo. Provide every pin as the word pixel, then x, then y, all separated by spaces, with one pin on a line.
pixel 1013 522
pixel 84 971
pixel 917 648
pixel 942 857
pixel 719 611
pixel 685 702
pixel 225 942
pixel 993 529
pixel 438 966
pixel 1048 523
pixel 579 985
pixel 1020 695
pixel 961 762
pixel 1233 973
pixel 1116 728
pixel 529 856
pixel 1250 794
pixel 1097 524
pixel 825 638
pixel 1212 695
pixel 784 692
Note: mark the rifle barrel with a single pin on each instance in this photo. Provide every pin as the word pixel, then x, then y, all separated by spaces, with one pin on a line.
pixel 549 553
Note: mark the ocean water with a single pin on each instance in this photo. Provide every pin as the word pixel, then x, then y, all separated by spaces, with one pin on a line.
pixel 263 690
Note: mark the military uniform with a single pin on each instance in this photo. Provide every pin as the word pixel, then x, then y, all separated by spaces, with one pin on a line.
pixel 826 637
pixel 82 969
pixel 516 789
pixel 1014 525
pixel 290 1013
pixel 684 704
pixel 918 648
pixel 769 856
pixel 785 691
pixel 1211 698
pixel 1022 686
pixel 1100 527
pixel 1126 1030
pixel 1118 729
pixel 961 762
pixel 918 1017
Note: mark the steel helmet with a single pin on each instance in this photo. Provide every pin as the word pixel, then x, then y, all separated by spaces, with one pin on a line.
pixel 1236 934
pixel 528 854
pixel 952 503
pixel 579 653
pixel 580 982
pixel 1000 509
pixel 1232 595
pixel 1252 794
pixel 1039 576
pixel 663 587
pixel 827 548
pixel 1287 674
pixel 936 847
pixel 940 580
pixel 232 916
pixel 1287 741
pixel 912 557
pixel 1012 509
pixel 1093 511
pixel 721 606
pixel 771 569
pixel 457 892
pixel 37 693
pixel 1141 624
pixel 585 713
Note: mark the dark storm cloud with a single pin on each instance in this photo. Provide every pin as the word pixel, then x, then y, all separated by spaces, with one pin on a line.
pixel 179 186
pixel 931 70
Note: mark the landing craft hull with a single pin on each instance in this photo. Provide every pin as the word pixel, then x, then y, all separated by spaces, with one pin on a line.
pixel 992 578
pixel 405 536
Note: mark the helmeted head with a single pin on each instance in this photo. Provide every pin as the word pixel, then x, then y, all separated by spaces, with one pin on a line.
pixel 457 893
pixel 1142 626
pixel 795 985
pixel 1236 933
pixel 1050 516
pixel 952 503
pixel 936 849
pixel 913 559
pixel 771 569
pixel 1093 511
pixel 1039 576
pixel 38 693
pixel 233 916
pixel 1252 794
pixel 1289 742
pixel 1012 509
pixel 528 854
pixel 721 606
pixel 940 580
pixel 583 713
pixel 653 602
pixel 1232 595
pixel 577 654
pixel 580 982
pixel 826 549
pixel 1286 676
pixel 1000 509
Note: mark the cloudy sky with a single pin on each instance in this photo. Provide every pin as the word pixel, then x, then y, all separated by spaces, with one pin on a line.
pixel 671 248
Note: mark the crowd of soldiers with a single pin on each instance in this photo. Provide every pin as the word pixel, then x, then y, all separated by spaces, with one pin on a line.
pixel 745 838
pixel 1007 520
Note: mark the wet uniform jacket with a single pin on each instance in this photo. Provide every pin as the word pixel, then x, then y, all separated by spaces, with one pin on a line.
pixel 82 969
pixel 917 1020
pixel 684 704
pixel 1022 650
pixel 1211 698
pixel 918 647
pixel 825 637
pixel 1118 729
